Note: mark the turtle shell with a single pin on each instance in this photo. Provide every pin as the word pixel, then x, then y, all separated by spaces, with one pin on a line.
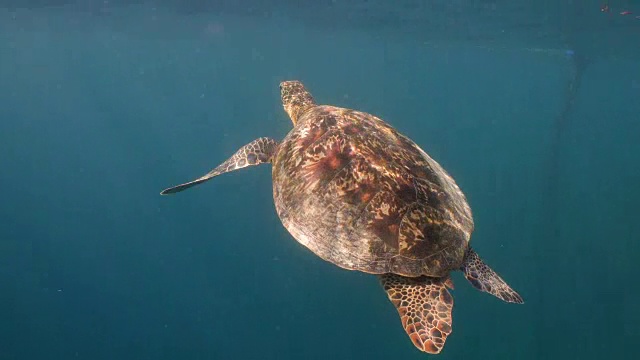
pixel 359 194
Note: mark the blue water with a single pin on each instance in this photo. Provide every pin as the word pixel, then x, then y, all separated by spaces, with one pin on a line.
pixel 102 107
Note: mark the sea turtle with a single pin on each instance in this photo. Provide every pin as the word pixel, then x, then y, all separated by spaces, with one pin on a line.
pixel 357 193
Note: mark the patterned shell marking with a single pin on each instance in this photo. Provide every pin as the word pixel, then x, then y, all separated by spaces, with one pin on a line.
pixel 358 194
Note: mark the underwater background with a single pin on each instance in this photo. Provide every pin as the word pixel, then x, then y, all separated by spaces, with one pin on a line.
pixel 533 107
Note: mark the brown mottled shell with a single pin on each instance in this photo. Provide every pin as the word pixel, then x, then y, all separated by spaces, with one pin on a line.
pixel 358 194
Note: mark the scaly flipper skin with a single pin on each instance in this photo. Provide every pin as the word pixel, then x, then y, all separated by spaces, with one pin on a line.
pixel 484 279
pixel 256 152
pixel 424 305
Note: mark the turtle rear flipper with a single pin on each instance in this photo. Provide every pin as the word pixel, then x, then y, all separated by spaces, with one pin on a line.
pixel 258 151
pixel 483 278
pixel 424 305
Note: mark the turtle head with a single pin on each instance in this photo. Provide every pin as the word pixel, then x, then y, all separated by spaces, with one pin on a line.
pixel 295 99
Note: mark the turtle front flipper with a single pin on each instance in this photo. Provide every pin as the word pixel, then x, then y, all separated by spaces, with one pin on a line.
pixel 483 278
pixel 256 152
pixel 424 305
